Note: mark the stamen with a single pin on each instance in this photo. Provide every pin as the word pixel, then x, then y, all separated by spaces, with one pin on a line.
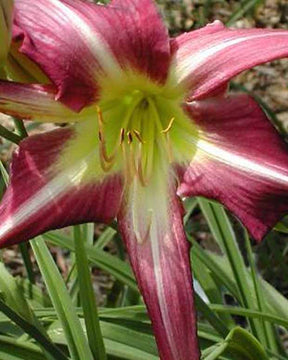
pixel 169 148
pixel 138 136
pixel 141 177
pixel 106 157
pixel 100 115
pixel 122 136
pixel 104 165
pixel 165 131
pixel 130 138
pixel 128 174
pixel 132 160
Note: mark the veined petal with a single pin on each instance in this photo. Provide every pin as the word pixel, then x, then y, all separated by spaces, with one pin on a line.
pixel 240 161
pixel 150 222
pixel 77 43
pixel 34 102
pixel 19 67
pixel 206 59
pixel 55 182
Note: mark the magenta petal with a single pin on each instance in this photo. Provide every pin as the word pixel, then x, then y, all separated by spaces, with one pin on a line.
pixel 77 43
pixel 135 33
pixel 161 264
pixel 241 161
pixel 38 199
pixel 206 59
pixel 34 102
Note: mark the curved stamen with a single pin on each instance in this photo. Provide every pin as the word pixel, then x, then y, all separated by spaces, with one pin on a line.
pixel 104 154
pixel 165 131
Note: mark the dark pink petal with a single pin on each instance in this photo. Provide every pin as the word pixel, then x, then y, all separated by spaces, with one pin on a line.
pixel 34 102
pixel 77 43
pixel 240 161
pixel 41 196
pixel 151 225
pixel 206 59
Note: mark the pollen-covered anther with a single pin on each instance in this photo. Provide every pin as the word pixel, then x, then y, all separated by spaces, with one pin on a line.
pixel 130 138
pixel 138 136
pixel 122 136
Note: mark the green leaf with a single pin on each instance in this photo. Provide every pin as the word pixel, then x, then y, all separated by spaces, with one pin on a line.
pixel 33 331
pixel 9 135
pixel 213 319
pixel 222 272
pixel 12 349
pixel 76 340
pixel 33 293
pixel 211 288
pixel 242 342
pixel 275 303
pixel 280 227
pixel 222 230
pixel 128 340
pixel 104 239
pixel 236 310
pixel 4 173
pixel 268 331
pixel 114 266
pixel 87 298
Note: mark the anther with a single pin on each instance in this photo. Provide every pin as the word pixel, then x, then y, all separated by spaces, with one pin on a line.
pixel 138 136
pixel 130 138
pixel 165 131
pixel 122 136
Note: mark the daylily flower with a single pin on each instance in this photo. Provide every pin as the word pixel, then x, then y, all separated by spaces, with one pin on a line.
pixel 150 122
pixel 6 12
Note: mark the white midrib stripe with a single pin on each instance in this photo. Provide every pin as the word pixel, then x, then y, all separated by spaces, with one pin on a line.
pixel 160 290
pixel 49 192
pixel 192 62
pixel 239 162
pixel 93 40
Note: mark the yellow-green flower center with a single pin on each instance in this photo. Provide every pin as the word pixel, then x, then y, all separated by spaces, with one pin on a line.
pixel 140 131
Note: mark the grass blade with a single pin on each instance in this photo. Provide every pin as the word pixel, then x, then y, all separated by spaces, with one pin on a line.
pixel 269 333
pixel 76 340
pixel 222 230
pixel 87 298
pixel 114 266
pixel 32 331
